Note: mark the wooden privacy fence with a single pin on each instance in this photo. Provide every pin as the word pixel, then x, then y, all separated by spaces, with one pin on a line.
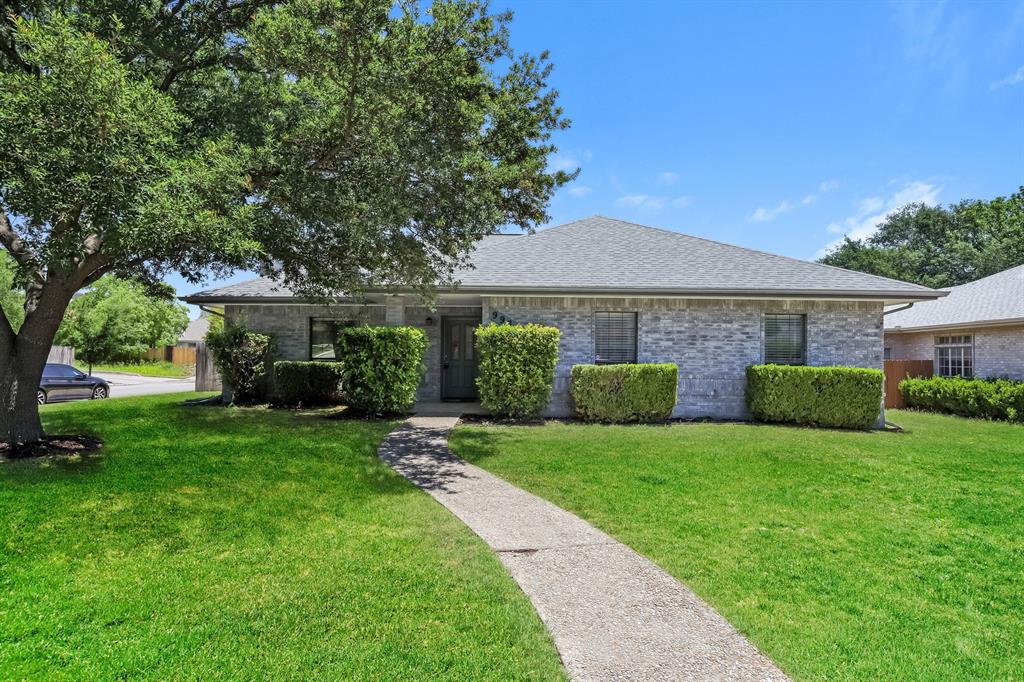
pixel 207 378
pixel 176 355
pixel 898 370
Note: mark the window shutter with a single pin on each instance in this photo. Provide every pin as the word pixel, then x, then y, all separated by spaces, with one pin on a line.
pixel 615 338
pixel 785 339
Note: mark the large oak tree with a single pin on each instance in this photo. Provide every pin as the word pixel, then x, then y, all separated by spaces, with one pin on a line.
pixel 338 144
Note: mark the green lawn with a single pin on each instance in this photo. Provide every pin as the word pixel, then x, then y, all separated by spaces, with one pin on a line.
pixel 223 543
pixel 846 555
pixel 156 368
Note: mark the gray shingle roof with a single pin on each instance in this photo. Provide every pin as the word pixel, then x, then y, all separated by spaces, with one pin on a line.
pixel 604 255
pixel 998 298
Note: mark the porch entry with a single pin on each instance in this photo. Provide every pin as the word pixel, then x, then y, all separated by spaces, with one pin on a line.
pixel 458 358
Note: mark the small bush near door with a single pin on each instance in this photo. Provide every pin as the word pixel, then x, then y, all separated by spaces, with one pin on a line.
pixel 517 368
pixel 844 397
pixel 241 357
pixel 381 367
pixel 307 383
pixel 982 398
pixel 624 393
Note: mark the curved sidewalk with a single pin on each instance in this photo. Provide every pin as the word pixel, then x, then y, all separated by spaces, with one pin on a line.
pixel 613 614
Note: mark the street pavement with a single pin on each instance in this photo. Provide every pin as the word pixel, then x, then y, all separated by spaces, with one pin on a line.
pixel 127 385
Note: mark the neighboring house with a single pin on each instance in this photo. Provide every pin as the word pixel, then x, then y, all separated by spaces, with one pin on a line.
pixel 195 331
pixel 619 292
pixel 977 330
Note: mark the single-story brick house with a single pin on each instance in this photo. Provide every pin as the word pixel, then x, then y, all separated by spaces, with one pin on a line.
pixel 619 292
pixel 975 331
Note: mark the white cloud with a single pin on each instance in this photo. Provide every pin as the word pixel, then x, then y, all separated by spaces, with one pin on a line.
pixel 580 190
pixel 668 178
pixel 1015 78
pixel 652 202
pixel 563 162
pixel 764 215
pixel 873 211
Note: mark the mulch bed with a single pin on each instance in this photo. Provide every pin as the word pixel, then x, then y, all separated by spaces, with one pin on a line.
pixel 52 446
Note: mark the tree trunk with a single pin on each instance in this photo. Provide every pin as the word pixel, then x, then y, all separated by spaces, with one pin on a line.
pixel 20 373
pixel 22 358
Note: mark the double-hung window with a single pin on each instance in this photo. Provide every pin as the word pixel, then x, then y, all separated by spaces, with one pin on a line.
pixel 954 356
pixel 614 338
pixel 785 339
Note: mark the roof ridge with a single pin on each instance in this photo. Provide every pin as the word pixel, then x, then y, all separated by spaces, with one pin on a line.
pixel 757 251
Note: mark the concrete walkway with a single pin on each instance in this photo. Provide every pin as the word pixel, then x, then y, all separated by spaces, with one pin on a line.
pixel 613 614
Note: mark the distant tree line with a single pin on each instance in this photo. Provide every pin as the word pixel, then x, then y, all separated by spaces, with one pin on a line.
pixel 941 246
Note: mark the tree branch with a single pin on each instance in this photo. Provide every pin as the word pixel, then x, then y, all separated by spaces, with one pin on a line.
pixel 16 246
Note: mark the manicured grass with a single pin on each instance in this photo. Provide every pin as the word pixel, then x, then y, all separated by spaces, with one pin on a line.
pixel 843 555
pixel 223 543
pixel 155 368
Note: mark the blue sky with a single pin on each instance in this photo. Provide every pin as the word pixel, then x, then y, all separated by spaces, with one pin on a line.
pixel 779 126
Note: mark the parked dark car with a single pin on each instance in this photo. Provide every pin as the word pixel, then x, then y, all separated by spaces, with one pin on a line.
pixel 64 382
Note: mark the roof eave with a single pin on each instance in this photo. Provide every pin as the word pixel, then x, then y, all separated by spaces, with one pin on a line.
pixel 825 294
pixel 1004 322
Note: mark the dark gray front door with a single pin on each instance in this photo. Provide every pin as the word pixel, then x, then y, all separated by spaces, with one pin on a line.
pixel 458 358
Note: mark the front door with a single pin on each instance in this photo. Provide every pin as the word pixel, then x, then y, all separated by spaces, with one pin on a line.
pixel 458 358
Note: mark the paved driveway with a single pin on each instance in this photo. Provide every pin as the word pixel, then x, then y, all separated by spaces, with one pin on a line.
pixel 126 385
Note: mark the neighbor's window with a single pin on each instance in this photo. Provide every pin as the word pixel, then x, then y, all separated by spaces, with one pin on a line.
pixel 785 339
pixel 615 338
pixel 322 335
pixel 954 356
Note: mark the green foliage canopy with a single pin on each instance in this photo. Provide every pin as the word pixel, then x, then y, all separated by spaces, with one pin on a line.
pixel 118 320
pixel 940 246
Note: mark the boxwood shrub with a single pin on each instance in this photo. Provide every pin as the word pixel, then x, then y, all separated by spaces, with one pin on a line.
pixel 844 397
pixel 307 383
pixel 381 367
pixel 624 393
pixel 516 368
pixel 242 358
pixel 982 398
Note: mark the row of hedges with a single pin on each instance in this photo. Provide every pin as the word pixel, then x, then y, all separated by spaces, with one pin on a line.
pixel 377 372
pixel 982 398
pixel 379 369
pixel 843 397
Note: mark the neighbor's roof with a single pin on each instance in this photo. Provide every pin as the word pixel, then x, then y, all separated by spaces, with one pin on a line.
pixel 196 329
pixel 599 255
pixel 996 299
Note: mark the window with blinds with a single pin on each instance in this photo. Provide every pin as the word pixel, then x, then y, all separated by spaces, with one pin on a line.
pixel 323 332
pixel 615 338
pixel 785 339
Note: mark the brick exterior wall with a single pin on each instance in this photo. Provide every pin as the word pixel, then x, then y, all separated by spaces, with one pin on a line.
pixel 998 351
pixel 712 341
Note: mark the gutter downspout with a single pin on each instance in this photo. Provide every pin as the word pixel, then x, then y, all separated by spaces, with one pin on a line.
pixel 899 310
pixel 881 417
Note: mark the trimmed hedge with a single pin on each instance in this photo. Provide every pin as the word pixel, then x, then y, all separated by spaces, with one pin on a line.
pixel 307 383
pixel 845 397
pixel 241 357
pixel 381 367
pixel 516 368
pixel 980 398
pixel 624 393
